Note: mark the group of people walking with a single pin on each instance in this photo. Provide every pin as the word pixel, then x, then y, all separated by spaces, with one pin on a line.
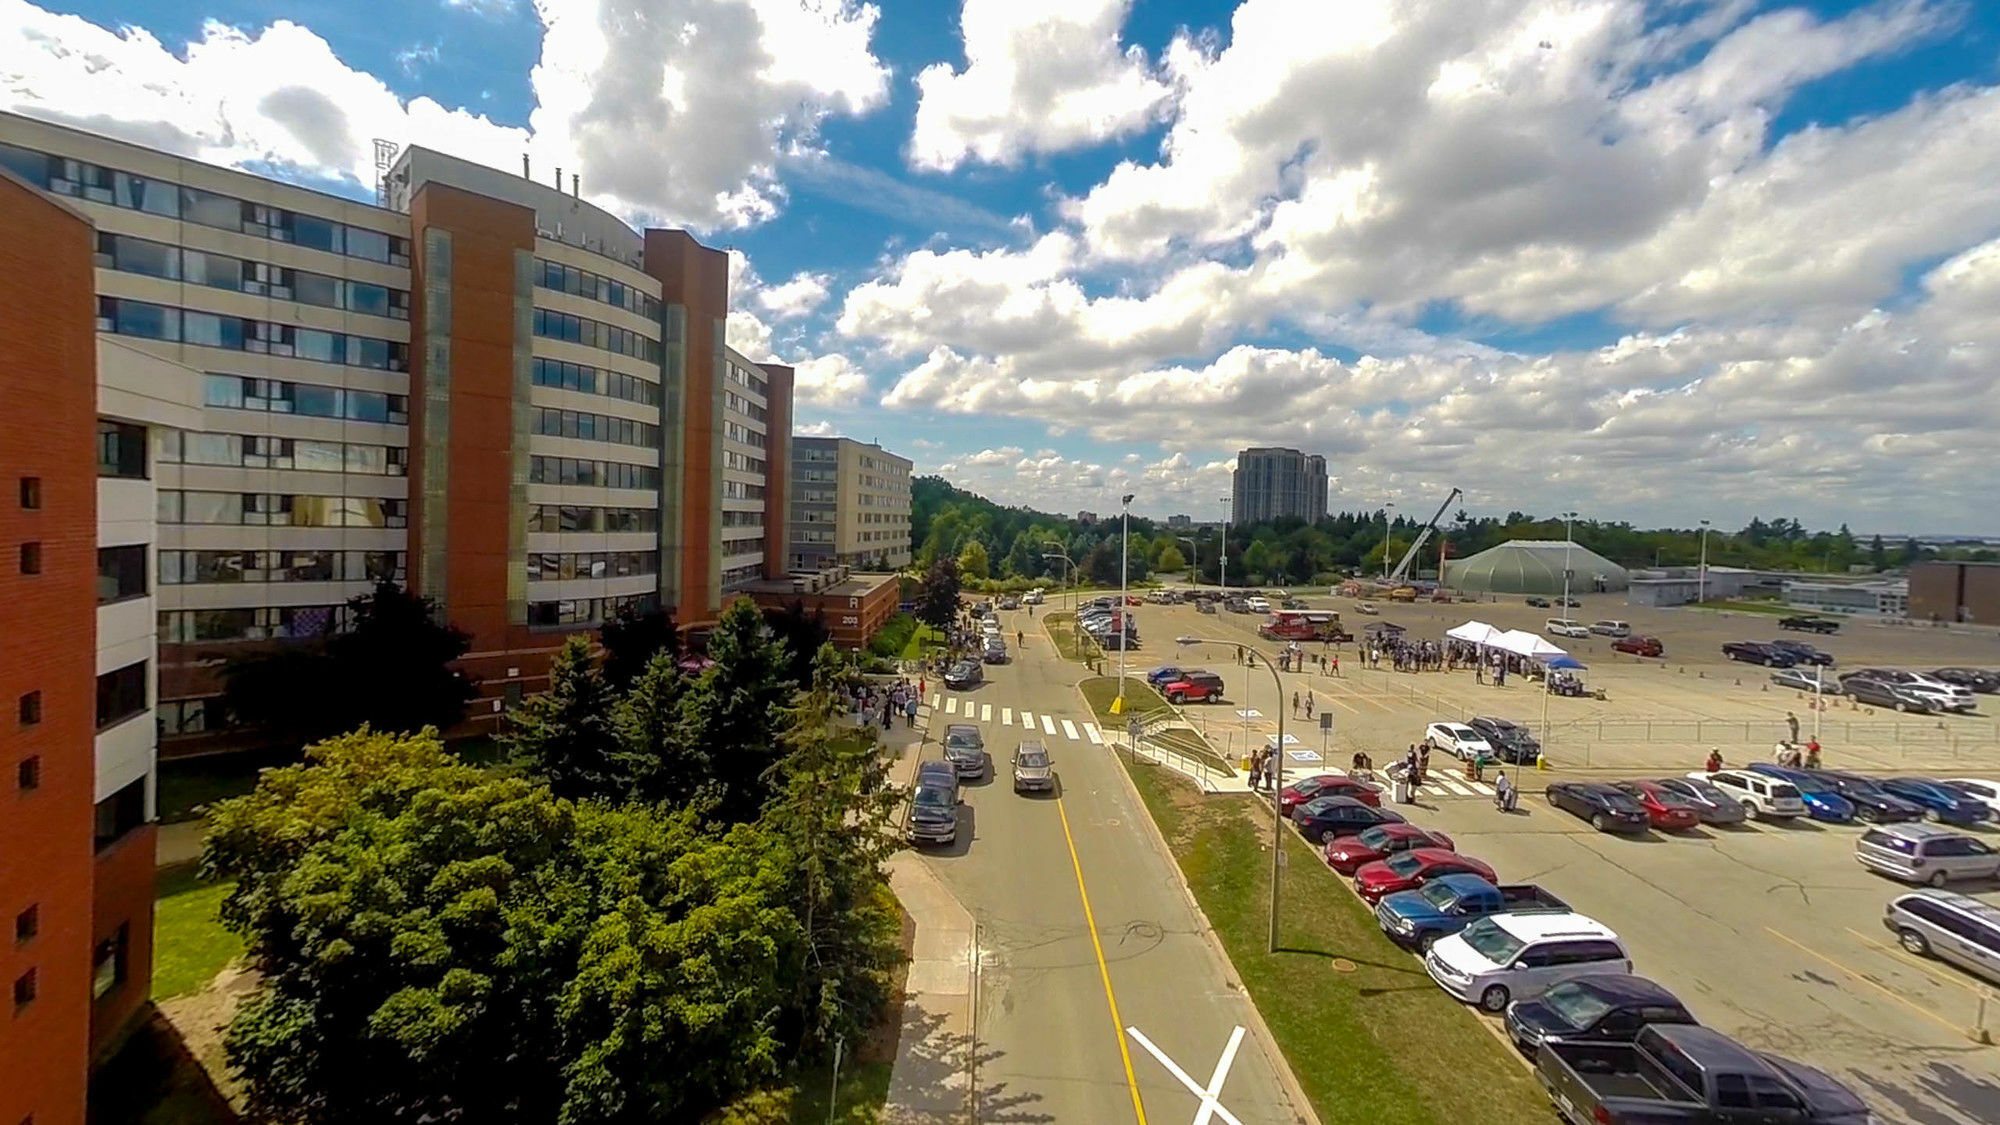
pixel 874 704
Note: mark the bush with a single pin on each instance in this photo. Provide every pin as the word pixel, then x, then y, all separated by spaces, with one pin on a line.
pixel 894 636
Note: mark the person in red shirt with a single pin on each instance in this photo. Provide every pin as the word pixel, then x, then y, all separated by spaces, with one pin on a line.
pixel 1714 760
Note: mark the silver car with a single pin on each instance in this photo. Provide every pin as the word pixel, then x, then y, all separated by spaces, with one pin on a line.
pixel 965 749
pixel 1711 805
pixel 1032 768
pixel 1925 853
pixel 1950 927
pixel 1803 679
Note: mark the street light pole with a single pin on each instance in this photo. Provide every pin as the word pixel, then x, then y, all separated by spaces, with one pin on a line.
pixel 1385 539
pixel 1124 617
pixel 1194 557
pixel 1059 553
pixel 1569 543
pixel 1277 773
pixel 1222 574
pixel 1701 572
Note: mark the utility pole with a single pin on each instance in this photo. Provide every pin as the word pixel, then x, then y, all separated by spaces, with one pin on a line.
pixel 1124 617
pixel 1194 558
pixel 1701 573
pixel 1222 576
pixel 1386 509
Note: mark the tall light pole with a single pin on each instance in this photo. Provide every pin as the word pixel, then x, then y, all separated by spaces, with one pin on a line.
pixel 1277 772
pixel 1701 572
pixel 1124 617
pixel 1386 508
pixel 1075 631
pixel 1194 557
pixel 1222 574
pixel 1569 543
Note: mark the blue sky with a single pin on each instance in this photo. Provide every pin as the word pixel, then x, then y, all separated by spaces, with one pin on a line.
pixel 1660 261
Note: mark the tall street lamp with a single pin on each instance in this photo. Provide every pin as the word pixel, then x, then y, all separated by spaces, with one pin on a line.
pixel 1124 617
pixel 1277 771
pixel 1222 574
pixel 1701 572
pixel 1569 542
pixel 1386 509
pixel 1059 553
pixel 1194 558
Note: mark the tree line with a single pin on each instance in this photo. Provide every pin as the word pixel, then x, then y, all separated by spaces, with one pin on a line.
pixel 990 541
pixel 671 890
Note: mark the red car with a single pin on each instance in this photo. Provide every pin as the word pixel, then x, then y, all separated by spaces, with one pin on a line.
pixel 1346 854
pixel 1326 785
pixel 1664 808
pixel 1412 869
pixel 1639 646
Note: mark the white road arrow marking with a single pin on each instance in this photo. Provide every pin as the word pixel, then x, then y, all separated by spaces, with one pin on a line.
pixel 1211 1104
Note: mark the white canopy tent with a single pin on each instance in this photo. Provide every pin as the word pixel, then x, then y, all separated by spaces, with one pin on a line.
pixel 1473 632
pixel 1523 643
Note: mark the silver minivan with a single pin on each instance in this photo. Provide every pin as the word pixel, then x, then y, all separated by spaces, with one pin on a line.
pixel 1950 927
pixel 1925 853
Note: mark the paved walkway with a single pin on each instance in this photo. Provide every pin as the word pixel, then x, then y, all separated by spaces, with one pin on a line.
pixel 931 1080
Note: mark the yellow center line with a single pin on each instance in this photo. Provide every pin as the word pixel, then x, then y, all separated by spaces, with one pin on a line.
pixel 1103 970
pixel 1900 955
pixel 1865 979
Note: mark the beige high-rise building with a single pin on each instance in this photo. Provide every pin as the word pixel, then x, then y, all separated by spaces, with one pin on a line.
pixel 850 505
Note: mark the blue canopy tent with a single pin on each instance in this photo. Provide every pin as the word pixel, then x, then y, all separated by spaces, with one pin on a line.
pixel 1565 661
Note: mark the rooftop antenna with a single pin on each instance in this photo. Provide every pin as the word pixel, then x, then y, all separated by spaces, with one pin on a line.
pixel 525 174
pixel 385 158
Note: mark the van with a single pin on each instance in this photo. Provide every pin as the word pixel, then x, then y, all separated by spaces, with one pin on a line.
pixel 1564 627
pixel 1759 795
pixel 1950 927
pixel 1258 605
pixel 1611 628
pixel 1925 853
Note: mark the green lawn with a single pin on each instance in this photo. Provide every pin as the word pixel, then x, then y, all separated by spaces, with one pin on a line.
pixel 922 638
pixel 1060 630
pixel 1350 1010
pixel 189 944
pixel 1140 697
pixel 185 786
pixel 803 1100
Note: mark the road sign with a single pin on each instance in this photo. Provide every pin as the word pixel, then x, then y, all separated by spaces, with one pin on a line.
pixel 1132 728
pixel 1326 720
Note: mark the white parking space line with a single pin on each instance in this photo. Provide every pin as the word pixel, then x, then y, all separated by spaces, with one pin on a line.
pixel 1049 725
pixel 951 706
pixel 1006 716
pixel 1069 730
pixel 1028 719
pixel 1090 732
pixel 986 713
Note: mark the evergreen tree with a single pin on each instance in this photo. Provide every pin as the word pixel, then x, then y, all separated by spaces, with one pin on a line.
pixel 1878 555
pixel 802 634
pixel 735 709
pixel 563 736
pixel 631 639
pixel 655 752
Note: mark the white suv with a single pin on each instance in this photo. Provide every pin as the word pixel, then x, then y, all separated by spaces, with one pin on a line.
pixel 1506 957
pixel 1759 795
pixel 1564 627
pixel 1457 739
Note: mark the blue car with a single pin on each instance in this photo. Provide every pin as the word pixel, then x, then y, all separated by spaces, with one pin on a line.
pixel 1165 674
pixel 1944 804
pixel 1822 803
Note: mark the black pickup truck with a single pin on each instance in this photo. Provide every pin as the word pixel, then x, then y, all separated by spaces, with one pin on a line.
pixel 1809 624
pixel 1679 1074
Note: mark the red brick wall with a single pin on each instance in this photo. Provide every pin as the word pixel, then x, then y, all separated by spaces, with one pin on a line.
pixel 1982 595
pixel 778 459
pixel 48 411
pixel 874 610
pixel 122 894
pixel 696 278
pixel 1934 591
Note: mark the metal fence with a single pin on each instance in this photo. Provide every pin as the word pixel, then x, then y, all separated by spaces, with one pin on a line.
pixel 1852 732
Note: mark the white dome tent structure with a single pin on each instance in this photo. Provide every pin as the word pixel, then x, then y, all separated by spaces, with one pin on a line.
pixel 1535 566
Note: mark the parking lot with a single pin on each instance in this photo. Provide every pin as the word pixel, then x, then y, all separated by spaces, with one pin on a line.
pixel 1770 932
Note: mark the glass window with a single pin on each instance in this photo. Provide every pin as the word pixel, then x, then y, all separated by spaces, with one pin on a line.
pixel 212 449
pixel 121 695
pixel 122 811
pixel 316 289
pixel 367 406
pixel 212 507
pixel 328 347
pixel 139 255
pixel 223 390
pixel 217 271
pixel 221 566
pixel 211 330
pixel 121 450
pixel 362 351
pixel 317 233
pixel 121 573
pixel 138 318
pixel 210 209
pixel 383 566
pixel 365 243
pixel 1732 1091
pixel 317 402
pixel 365 298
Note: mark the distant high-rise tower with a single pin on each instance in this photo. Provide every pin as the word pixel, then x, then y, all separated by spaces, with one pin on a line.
pixel 1272 483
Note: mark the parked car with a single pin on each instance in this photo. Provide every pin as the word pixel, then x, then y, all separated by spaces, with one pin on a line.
pixel 1611 628
pixel 1326 785
pixel 995 651
pixel 1369 608
pixel 938 773
pixel 1569 603
pixel 1032 768
pixel 1412 869
pixel 1754 652
pixel 1943 696
pixel 1760 796
pixel 1448 903
pixel 1457 739
pixel 1809 624
pixel 1539 603
pixel 1032 597
pixel 1976 679
pixel 1823 801
pixel 1510 740
pixel 1690 1075
pixel 1949 926
pixel 1236 605
pixel 1925 853
pixel 1194 687
pixel 1506 957
pixel 1118 642
pixel 1346 854
pixel 1257 605
pixel 1879 693
pixel 1710 804
pixel 1564 627
pixel 1985 792
pixel 1606 808
pixel 932 817
pixel 1941 802
pixel 964 674
pixel 1167 673
pixel 1338 816
pixel 1812 680
pixel 1010 602
pixel 965 749
pixel 1871 802
pixel 1802 652
pixel 1639 646
pixel 1608 1008
pixel 1664 809
pixel 1290 603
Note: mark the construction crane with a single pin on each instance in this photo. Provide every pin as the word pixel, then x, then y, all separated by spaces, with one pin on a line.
pixel 1395 579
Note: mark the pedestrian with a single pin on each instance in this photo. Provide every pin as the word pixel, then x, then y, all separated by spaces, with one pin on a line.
pixel 1714 762
pixel 1812 754
pixel 910 713
pixel 1295 703
pixel 1239 654
pixel 1792 724
pixel 1336 664
pixel 1256 771
pixel 1423 762
pixel 1309 706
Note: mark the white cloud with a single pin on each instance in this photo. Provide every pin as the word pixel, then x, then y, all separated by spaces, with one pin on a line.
pixel 800 296
pixel 720 90
pixel 831 382
pixel 821 428
pixel 1040 76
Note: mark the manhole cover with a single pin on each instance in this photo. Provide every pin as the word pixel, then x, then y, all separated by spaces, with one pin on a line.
pixel 1342 965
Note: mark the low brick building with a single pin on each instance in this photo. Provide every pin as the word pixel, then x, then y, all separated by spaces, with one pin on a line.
pixel 855 606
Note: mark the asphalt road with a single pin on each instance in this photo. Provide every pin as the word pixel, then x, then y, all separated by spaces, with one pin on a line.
pixel 1035 873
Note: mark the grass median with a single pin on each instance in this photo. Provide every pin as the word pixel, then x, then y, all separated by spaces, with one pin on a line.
pixel 1144 701
pixel 1071 644
pixel 1371 1039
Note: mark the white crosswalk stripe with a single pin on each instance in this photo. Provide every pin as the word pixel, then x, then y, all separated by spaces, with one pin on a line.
pixel 934 700
pixel 1450 786
pixel 1028 719
pixel 1006 716
pixel 1090 732
pixel 1481 787
pixel 1069 730
pixel 986 713
pixel 951 706
pixel 1048 724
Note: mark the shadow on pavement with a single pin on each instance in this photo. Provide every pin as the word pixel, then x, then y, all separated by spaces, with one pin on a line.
pixel 937 1074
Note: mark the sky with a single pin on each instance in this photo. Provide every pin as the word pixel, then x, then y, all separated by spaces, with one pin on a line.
pixel 1651 261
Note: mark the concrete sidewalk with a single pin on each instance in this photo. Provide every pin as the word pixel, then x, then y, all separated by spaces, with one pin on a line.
pixel 936 1052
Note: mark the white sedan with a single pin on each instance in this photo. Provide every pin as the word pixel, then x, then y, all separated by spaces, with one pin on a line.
pixel 1457 739
pixel 1985 792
